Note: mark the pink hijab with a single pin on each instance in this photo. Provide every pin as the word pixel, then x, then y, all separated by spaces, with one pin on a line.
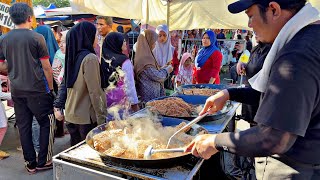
pixel 185 73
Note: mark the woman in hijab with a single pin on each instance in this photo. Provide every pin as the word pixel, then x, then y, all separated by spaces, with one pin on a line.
pixel 184 76
pixel 59 60
pixel 85 104
pixel 58 71
pixel 149 75
pixel 51 41
pixel 113 64
pixel 208 61
pixel 163 52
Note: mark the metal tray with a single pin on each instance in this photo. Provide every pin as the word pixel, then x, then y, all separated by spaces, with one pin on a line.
pixel 202 86
pixel 199 100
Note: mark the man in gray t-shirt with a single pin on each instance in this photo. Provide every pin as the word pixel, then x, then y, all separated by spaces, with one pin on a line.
pixel 23 53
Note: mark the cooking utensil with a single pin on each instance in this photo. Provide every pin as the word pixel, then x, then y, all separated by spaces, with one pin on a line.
pixel 187 126
pixel 149 151
pixel 144 163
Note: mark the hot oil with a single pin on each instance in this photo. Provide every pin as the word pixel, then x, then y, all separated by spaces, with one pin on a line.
pixel 132 136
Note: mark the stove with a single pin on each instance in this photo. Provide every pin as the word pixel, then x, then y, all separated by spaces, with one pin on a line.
pixel 82 155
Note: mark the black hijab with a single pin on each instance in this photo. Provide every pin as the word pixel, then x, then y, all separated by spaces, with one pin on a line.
pixel 111 51
pixel 80 39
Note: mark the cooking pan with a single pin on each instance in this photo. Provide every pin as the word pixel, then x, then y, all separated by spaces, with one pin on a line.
pixel 202 86
pixel 143 163
pixel 198 100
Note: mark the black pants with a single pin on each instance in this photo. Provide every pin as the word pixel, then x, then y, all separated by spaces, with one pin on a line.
pixel 78 132
pixel 41 107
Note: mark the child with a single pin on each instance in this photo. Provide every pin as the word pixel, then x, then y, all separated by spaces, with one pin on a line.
pixel 3 121
pixel 184 75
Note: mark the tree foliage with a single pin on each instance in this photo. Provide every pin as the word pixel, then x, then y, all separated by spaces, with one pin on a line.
pixel 57 3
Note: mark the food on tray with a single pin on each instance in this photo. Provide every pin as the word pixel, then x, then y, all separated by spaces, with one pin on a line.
pixel 174 107
pixel 200 91
pixel 130 138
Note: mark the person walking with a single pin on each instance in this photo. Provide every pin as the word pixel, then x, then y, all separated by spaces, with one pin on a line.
pixel 25 56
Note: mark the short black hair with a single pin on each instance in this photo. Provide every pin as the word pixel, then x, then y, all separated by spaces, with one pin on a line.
pixel 107 19
pixel 291 5
pixel 20 12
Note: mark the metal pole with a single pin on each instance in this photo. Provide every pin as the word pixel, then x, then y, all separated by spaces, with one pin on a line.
pixel 147 19
pixel 168 14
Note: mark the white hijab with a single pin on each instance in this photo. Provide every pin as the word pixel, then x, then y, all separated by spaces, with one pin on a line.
pixel 307 15
pixel 163 52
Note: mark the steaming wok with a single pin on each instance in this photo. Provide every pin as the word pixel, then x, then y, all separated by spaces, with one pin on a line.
pixel 153 163
pixel 199 101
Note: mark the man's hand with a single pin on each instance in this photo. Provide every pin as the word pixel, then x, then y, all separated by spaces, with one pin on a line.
pixel 58 114
pixel 216 102
pixel 241 68
pixel 203 146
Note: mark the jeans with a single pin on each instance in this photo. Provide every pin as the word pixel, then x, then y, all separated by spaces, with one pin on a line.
pixel 35 134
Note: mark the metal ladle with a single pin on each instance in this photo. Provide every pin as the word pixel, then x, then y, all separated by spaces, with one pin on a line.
pixel 187 126
pixel 149 151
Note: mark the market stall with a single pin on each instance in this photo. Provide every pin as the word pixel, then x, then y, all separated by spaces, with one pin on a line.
pixel 82 162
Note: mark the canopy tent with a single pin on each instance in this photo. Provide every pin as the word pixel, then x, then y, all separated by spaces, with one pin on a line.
pixel 130 9
pixel 63 11
pixel 179 14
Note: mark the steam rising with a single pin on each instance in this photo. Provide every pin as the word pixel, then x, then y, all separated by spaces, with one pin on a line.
pixel 130 138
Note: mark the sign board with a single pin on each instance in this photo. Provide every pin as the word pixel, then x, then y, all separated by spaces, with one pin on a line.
pixel 5 19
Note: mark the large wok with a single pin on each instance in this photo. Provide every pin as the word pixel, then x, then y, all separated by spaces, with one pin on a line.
pixel 199 101
pixel 142 163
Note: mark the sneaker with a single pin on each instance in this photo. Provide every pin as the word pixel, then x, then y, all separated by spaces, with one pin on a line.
pixel 19 148
pixel 31 167
pixel 48 165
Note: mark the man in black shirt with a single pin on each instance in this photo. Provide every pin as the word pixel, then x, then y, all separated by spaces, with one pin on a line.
pixel 23 53
pixel 287 135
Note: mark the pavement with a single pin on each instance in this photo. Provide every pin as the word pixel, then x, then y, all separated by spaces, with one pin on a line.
pixel 12 168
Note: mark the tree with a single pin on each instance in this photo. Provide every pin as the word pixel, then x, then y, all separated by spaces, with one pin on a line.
pixel 57 3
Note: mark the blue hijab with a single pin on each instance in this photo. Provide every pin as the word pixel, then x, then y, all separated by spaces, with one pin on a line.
pixel 51 41
pixel 206 52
